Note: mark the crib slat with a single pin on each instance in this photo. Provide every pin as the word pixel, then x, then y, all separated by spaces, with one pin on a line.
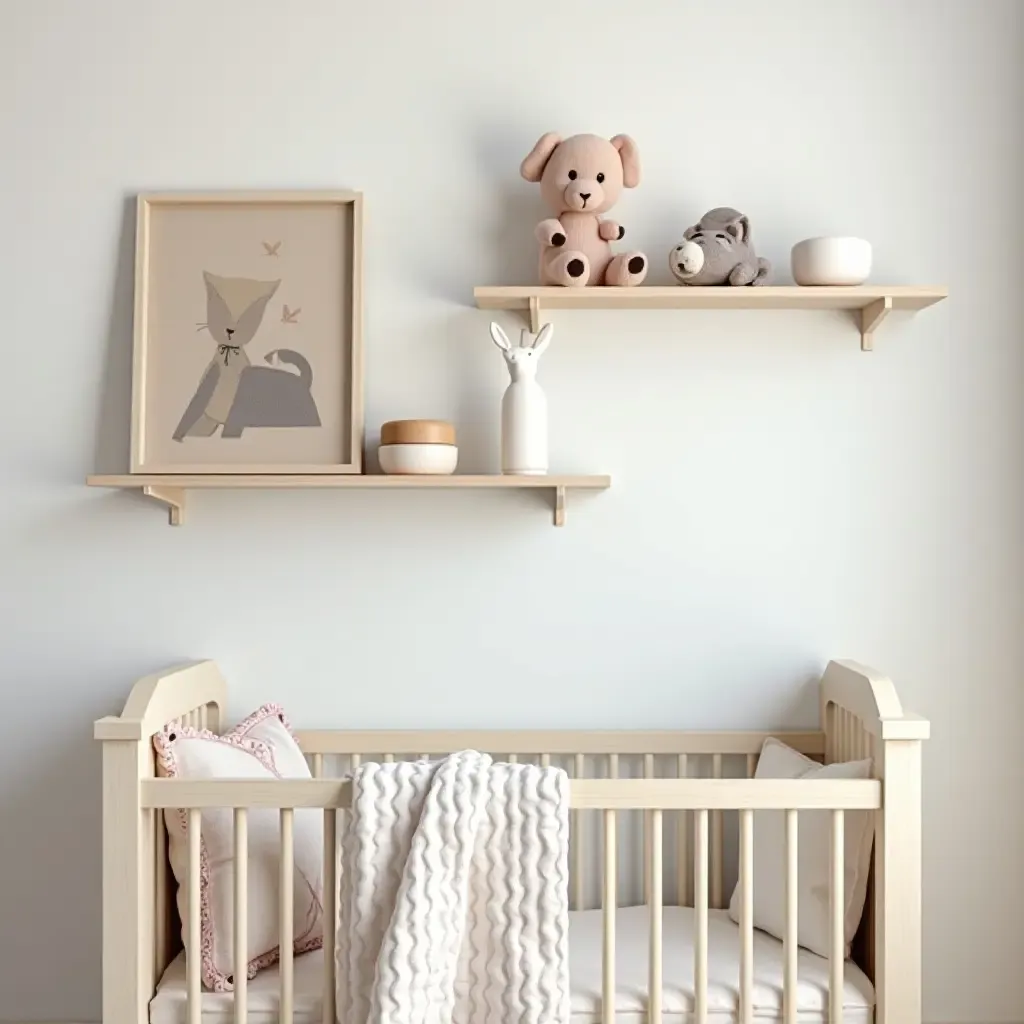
pixel 610 898
pixel 318 766
pixel 287 914
pixel 838 944
pixel 613 771
pixel 579 766
pixel 513 759
pixel 717 843
pixel 700 903
pixel 648 774
pixel 790 931
pixel 746 916
pixel 330 911
pixel 356 761
pixel 682 846
pixel 160 946
pixel 202 717
pixel 241 901
pixel 389 758
pixel 654 953
pixel 545 760
pixel 193 955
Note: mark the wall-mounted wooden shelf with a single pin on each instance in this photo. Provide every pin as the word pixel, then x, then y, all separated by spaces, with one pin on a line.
pixel 870 304
pixel 171 488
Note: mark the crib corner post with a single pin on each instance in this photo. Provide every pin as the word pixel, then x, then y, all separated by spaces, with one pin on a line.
pixel 897 893
pixel 127 853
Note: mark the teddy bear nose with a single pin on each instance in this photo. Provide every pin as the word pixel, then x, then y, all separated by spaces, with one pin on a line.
pixel 584 195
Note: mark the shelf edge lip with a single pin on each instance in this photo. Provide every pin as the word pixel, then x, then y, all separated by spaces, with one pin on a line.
pixel 214 481
pixel 516 290
pixel 669 296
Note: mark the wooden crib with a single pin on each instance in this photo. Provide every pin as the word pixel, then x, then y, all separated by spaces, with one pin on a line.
pixel 708 798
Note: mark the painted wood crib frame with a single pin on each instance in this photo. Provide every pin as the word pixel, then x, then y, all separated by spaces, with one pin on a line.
pixel 861 716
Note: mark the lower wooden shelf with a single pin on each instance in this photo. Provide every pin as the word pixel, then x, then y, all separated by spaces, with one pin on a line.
pixel 170 488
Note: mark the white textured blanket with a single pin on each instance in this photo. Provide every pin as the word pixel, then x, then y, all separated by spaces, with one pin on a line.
pixel 454 894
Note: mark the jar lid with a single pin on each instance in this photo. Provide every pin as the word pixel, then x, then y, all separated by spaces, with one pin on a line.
pixel 417 432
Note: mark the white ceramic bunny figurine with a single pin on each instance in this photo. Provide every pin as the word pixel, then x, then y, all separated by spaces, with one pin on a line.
pixel 524 407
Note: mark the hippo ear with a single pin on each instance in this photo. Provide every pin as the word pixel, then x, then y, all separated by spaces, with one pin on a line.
pixel 691 231
pixel 532 168
pixel 739 228
pixel 630 160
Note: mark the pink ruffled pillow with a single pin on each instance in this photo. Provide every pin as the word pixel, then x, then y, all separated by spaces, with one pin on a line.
pixel 261 747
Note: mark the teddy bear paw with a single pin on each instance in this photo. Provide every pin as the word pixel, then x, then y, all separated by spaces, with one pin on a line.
pixel 626 270
pixel 569 269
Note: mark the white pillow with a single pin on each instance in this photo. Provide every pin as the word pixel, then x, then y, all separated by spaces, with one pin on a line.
pixel 261 747
pixel 779 761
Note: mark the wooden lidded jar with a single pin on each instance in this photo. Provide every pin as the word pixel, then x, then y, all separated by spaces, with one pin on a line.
pixel 418 447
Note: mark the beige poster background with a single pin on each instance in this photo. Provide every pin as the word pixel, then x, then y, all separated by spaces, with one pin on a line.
pixel 304 246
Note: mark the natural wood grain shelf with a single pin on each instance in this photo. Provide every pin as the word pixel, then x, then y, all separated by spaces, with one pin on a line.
pixel 171 488
pixel 870 304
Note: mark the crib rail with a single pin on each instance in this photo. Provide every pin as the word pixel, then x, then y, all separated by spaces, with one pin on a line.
pixel 585 794
pixel 609 796
pixel 600 743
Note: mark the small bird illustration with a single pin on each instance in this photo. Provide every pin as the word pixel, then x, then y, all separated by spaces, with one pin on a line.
pixel 271 248
pixel 290 316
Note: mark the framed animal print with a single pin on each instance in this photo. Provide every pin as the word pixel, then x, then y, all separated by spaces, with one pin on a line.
pixel 248 333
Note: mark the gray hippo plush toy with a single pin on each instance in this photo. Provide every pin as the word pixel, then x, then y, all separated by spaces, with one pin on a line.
pixel 718 250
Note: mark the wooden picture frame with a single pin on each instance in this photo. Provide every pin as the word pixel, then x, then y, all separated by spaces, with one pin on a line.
pixel 248 348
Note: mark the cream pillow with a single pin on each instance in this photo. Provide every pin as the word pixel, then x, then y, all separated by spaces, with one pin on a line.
pixel 779 761
pixel 261 747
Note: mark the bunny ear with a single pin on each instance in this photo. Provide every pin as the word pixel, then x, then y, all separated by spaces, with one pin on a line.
pixel 500 338
pixel 544 338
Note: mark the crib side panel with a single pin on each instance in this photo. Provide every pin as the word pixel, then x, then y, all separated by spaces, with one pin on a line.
pixel 196 689
pixel 863 717
pixel 141 931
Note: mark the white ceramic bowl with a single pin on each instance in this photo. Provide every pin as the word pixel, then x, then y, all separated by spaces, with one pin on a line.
pixel 836 261
pixel 418 459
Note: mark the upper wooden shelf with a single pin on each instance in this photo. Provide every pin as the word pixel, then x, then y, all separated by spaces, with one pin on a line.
pixel 869 303
pixel 170 488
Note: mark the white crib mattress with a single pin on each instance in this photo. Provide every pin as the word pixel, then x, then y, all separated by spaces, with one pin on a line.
pixel 168 1006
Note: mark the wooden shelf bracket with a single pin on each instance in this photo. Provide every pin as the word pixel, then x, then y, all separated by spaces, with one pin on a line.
pixel 870 317
pixel 559 506
pixel 535 323
pixel 173 498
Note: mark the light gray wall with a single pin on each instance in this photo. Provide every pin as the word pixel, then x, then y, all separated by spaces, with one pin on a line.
pixel 779 498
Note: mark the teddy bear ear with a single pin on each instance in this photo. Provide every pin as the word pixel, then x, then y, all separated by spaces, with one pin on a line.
pixel 533 166
pixel 630 157
pixel 739 228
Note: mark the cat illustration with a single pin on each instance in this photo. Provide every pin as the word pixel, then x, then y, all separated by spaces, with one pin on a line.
pixel 234 394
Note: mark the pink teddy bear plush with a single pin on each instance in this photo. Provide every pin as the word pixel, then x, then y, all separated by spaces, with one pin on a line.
pixel 580 178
